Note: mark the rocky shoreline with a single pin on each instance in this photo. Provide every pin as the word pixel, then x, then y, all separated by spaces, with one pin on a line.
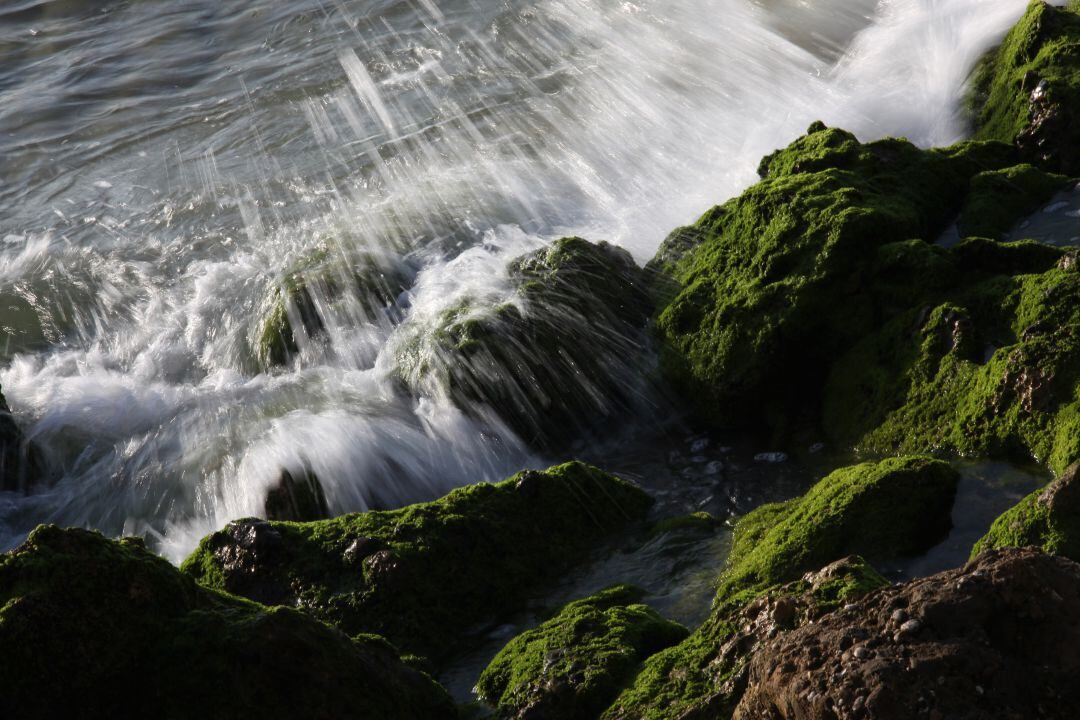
pixel 867 296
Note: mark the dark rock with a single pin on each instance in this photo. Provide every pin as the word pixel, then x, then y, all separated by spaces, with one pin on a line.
pixel 297 499
pixel 94 628
pixel 999 638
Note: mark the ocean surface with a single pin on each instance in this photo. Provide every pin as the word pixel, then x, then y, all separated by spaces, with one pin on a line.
pixel 165 167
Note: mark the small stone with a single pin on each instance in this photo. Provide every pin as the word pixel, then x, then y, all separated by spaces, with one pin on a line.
pixel 771 457
pixel 861 652
pixel 910 627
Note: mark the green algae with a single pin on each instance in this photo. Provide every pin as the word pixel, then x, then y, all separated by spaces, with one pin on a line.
pixel 1027 91
pixel 760 294
pixel 892 508
pixel 109 628
pixel 999 198
pixel 884 510
pixel 573 665
pixel 425 575
pixel 993 369
pixel 356 286
pixel 558 360
pixel 704 676
pixel 1048 519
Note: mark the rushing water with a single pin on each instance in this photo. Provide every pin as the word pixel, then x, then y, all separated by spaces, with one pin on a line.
pixel 165 165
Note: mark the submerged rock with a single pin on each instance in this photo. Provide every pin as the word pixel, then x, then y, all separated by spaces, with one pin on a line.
pixel 998 638
pixel 20 461
pixel 426 575
pixel 1048 518
pixel 355 287
pixel 573 665
pixel 896 507
pixel 557 363
pixel 1027 91
pixel 102 628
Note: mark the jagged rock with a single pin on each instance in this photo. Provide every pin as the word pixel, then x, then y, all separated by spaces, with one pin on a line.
pixel 1027 91
pixel 98 628
pixel 998 638
pixel 573 665
pixel 426 575
pixel 299 499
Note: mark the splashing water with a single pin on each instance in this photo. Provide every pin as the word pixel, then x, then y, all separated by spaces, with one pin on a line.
pixel 165 169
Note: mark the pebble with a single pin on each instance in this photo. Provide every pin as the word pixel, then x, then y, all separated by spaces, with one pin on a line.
pixel 771 457
pixel 699 445
pixel 714 467
pixel 861 652
pixel 816 448
pixel 911 626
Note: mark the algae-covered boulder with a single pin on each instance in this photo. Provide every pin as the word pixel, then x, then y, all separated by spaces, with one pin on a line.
pixel 348 287
pixel 988 363
pixel 1027 91
pixel 1048 518
pixel 892 508
pixel 96 628
pixel 763 292
pixel 573 665
pixel 425 575
pixel 705 676
pixel 556 363
pixel 997 198
pixel 885 510
pixel 998 638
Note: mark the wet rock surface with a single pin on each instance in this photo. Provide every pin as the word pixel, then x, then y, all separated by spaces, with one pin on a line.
pixel 427 575
pixel 298 498
pixel 997 638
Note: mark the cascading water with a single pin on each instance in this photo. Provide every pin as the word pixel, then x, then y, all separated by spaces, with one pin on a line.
pixel 168 169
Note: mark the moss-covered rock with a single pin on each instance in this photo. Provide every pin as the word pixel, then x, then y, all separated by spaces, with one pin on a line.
pixel 1048 518
pixel 892 508
pixel 1027 91
pixel 425 575
pixel 764 292
pixel 988 363
pixel 999 198
pixel 705 675
pixel 559 361
pixel 353 287
pixel 573 665
pixel 99 628
pixel 884 510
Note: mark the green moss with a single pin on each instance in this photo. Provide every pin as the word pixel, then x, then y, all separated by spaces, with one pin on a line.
pixel 1047 518
pixel 999 198
pixel 111 629
pixel 763 292
pixel 573 665
pixel 560 361
pixel 892 508
pixel 425 575
pixel 1027 91
pixel 993 371
pixel 352 287
pixel 704 676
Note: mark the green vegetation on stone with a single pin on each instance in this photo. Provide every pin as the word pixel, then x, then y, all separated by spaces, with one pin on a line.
pixel 1027 91
pixel 1048 519
pixel 103 628
pixel 573 665
pixel 425 575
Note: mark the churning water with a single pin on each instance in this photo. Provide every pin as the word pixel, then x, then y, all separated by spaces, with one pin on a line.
pixel 164 167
